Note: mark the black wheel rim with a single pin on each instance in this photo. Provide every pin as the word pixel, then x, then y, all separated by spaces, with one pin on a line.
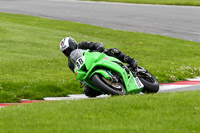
pixel 121 89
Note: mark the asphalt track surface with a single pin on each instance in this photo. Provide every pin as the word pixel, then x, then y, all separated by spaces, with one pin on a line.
pixel 174 21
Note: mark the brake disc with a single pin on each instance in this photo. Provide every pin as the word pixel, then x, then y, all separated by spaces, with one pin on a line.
pixel 115 85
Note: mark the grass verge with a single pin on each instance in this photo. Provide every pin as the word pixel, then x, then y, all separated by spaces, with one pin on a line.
pixel 32 66
pixel 158 2
pixel 170 112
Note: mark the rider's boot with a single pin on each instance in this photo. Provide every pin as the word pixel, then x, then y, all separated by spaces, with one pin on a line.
pixel 132 62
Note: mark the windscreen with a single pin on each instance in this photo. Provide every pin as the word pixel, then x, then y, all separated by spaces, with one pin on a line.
pixel 75 54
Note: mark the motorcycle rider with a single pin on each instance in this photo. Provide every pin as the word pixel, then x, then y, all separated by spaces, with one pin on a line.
pixel 68 44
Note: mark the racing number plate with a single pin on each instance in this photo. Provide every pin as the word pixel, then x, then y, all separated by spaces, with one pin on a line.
pixel 79 62
pixel 138 83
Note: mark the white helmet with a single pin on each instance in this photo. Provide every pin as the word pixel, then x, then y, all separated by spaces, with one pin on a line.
pixel 67 45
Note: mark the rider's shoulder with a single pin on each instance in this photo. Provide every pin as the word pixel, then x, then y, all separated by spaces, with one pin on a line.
pixel 85 42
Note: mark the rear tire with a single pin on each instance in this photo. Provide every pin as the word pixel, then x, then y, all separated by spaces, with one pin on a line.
pixel 98 82
pixel 151 84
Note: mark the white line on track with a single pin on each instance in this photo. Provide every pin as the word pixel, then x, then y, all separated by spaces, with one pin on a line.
pixel 170 87
pixel 74 97
pixel 163 87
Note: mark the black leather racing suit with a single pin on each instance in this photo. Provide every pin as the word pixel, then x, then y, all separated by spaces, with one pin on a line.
pixel 100 48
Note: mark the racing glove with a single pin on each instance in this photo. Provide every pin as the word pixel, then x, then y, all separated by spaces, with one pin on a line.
pixel 99 47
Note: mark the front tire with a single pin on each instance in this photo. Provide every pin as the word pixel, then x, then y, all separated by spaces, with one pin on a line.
pixel 105 87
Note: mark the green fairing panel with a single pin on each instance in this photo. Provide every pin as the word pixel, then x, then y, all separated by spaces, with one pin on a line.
pixel 102 72
pixel 99 59
pixel 93 59
pixel 80 75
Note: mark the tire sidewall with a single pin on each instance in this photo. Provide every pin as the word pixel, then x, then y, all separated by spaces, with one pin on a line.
pixel 150 87
pixel 98 82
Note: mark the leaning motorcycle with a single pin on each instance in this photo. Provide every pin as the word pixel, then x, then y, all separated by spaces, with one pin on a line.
pixel 109 75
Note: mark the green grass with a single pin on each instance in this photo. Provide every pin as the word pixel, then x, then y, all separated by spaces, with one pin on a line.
pixel 32 66
pixel 158 2
pixel 156 113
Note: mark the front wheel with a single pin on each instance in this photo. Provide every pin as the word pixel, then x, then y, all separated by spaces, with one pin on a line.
pixel 107 86
pixel 150 83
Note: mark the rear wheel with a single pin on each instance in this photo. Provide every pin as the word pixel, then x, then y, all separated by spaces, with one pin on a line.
pixel 150 83
pixel 107 86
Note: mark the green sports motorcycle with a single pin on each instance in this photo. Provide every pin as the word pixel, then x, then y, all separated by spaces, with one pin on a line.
pixel 109 75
